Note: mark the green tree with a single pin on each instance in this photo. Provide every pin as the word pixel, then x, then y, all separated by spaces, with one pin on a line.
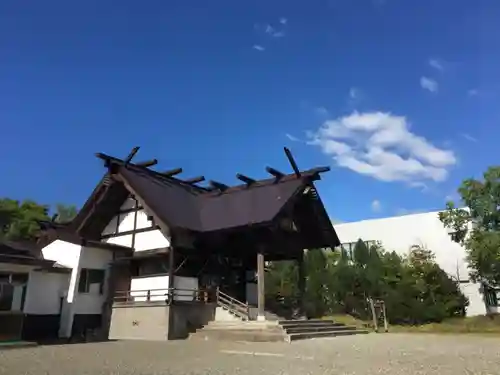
pixel 477 226
pixel 436 295
pixel 415 289
pixel 316 266
pixel 19 220
pixel 65 213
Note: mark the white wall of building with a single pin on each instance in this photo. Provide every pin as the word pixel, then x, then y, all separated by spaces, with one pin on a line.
pixel 399 233
pixel 92 302
pixel 74 257
pixel 68 255
pixel 149 240
pixel 44 292
pixel 63 253
pixel 159 285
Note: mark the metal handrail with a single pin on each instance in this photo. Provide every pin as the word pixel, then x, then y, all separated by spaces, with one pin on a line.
pixel 155 295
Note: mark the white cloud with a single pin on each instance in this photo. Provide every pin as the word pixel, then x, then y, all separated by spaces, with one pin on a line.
pixel 468 137
pixel 283 20
pixel 376 206
pixel 292 137
pixel 258 47
pixel 436 64
pixel 429 84
pixel 270 30
pixel 353 93
pixel 382 146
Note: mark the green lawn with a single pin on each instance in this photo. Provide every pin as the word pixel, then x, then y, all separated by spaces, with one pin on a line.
pixel 476 324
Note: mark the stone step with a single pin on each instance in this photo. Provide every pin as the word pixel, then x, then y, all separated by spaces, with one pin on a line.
pixel 326 328
pixel 238 335
pixel 331 333
pixel 247 323
pixel 311 325
pixel 242 327
pixel 286 323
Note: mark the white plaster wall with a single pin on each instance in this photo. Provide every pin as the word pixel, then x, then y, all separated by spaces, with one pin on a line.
pixel 44 292
pixel 186 288
pixel 143 241
pixel 476 299
pixel 68 255
pixel 401 232
pixel 92 302
pixel 64 253
pixel 159 285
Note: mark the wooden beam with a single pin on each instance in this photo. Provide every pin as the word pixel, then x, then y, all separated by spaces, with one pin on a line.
pixel 131 155
pixel 171 274
pixel 194 180
pixel 261 309
pixel 277 174
pixel 295 168
pixel 301 281
pixel 218 185
pixel 172 172
pixel 147 163
pixel 319 170
pixel 247 180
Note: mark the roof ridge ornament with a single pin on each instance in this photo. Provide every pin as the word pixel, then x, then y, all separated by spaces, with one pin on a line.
pixel 295 168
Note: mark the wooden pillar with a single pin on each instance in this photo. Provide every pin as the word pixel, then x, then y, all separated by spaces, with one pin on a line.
pixel 171 276
pixel 301 283
pixel 260 286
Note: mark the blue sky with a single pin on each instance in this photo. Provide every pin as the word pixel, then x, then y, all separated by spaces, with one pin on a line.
pixel 397 96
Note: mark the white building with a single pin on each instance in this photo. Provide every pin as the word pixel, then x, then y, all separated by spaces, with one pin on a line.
pixel 399 233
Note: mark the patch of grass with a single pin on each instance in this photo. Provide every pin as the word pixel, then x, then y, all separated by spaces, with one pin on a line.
pixel 477 324
pixel 347 320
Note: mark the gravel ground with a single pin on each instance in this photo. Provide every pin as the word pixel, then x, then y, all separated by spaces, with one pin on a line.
pixel 398 354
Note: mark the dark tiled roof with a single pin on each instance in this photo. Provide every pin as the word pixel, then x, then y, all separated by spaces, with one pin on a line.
pixel 176 205
pixel 180 206
pixel 24 253
pixel 248 206
pixel 20 248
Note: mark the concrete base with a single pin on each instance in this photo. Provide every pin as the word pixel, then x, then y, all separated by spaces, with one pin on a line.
pixel 17 345
pixel 157 321
pixel 261 318
pixel 140 322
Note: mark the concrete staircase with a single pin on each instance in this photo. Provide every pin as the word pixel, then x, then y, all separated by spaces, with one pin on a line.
pixel 315 328
pixel 266 331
